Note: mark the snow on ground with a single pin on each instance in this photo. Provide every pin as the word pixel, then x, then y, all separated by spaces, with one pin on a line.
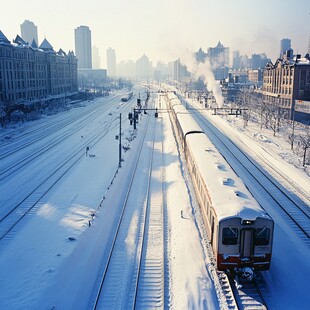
pixel 276 150
pixel 34 254
pixel 266 148
pixel 289 275
pixel 51 258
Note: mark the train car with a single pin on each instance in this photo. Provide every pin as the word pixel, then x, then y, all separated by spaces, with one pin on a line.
pixel 240 231
pixel 185 125
pixel 127 97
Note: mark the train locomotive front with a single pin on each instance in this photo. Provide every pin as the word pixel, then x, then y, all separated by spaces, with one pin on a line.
pixel 244 242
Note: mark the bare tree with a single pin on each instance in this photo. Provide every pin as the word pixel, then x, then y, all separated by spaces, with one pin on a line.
pixel 245 101
pixel 262 112
pixel 271 118
pixel 305 144
pixel 292 138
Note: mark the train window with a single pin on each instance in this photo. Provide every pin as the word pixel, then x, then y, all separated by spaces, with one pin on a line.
pixel 230 236
pixel 194 170
pixel 262 236
pixel 206 203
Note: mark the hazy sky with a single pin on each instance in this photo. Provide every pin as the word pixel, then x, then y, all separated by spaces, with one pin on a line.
pixel 164 29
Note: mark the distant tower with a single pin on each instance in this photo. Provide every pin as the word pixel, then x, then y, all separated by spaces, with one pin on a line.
pixel 219 55
pixel 96 61
pixel 285 45
pixel 200 56
pixel 83 47
pixel 143 66
pixel 29 32
pixel 236 60
pixel 219 60
pixel 111 62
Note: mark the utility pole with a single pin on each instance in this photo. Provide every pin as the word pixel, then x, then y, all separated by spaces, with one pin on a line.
pixel 134 119
pixel 120 142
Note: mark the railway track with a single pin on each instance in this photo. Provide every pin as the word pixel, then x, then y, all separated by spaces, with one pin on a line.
pixel 252 295
pixel 150 284
pixel 133 277
pixel 303 194
pixel 26 202
pixel 41 147
pixel 61 119
pixel 29 136
pixel 10 218
pixel 15 202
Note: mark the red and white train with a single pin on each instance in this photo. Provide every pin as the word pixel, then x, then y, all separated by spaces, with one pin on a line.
pixel 239 229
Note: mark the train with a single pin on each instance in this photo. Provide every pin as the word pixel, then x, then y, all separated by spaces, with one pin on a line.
pixel 127 97
pixel 239 229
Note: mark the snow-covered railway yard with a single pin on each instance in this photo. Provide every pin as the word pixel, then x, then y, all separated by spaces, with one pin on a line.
pixel 55 255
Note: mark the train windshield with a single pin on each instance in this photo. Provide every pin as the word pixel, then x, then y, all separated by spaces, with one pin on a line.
pixel 262 236
pixel 230 236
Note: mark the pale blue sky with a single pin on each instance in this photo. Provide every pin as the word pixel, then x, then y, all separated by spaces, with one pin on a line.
pixel 164 29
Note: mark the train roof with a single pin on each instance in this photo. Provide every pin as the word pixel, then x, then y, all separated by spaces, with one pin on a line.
pixel 186 121
pixel 229 196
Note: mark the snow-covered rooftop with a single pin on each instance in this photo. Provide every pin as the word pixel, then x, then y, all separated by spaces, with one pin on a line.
pixel 46 46
pixel 3 38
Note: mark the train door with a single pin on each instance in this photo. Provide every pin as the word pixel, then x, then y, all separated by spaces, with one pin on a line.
pixel 247 238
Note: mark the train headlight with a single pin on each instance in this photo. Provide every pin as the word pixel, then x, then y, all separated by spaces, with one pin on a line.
pixel 247 222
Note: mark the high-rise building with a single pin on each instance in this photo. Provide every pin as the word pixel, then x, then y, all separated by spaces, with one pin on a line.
pixel 178 71
pixel 83 47
pixel 236 60
pixel 111 62
pixel 143 67
pixel 285 45
pixel 96 60
pixel 259 61
pixel 219 60
pixel 219 55
pixel 29 32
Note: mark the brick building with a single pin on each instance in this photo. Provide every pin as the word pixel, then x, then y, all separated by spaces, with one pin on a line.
pixel 286 85
pixel 30 74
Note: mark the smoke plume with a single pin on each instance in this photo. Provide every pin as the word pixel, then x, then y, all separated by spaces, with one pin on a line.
pixel 204 71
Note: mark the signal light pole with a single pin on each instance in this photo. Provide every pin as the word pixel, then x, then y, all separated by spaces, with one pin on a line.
pixel 120 142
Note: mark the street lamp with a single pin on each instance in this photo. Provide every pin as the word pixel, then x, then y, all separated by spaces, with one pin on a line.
pixel 119 138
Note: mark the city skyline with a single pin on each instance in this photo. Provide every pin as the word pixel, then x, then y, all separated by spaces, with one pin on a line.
pixel 164 30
